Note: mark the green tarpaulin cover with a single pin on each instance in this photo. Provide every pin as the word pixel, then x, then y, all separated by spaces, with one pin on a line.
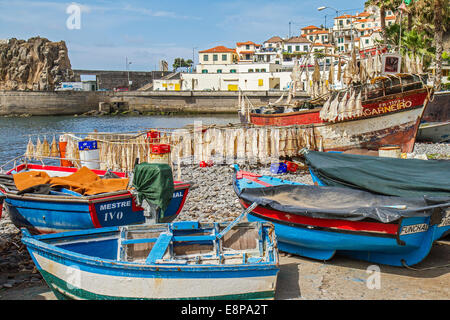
pixel 387 176
pixel 154 183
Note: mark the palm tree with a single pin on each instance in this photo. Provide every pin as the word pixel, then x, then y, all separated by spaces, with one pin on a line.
pixel 432 16
pixel 384 5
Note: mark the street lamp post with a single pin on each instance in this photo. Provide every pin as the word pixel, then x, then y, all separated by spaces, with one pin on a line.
pixel 193 58
pixel 337 13
pixel 128 71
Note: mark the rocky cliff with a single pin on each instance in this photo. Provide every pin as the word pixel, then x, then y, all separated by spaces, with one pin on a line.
pixel 37 64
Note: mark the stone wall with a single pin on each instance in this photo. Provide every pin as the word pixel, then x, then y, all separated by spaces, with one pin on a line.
pixel 78 102
pixel 194 101
pixel 50 103
pixel 108 80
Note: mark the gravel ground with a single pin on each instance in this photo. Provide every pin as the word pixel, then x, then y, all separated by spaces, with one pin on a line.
pixel 433 150
pixel 212 198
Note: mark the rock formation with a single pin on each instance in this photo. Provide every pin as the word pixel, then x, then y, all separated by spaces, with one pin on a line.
pixel 36 65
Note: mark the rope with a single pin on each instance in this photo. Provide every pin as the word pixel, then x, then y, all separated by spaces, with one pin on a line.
pixel 423 269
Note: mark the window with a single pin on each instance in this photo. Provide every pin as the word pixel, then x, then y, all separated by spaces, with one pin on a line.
pixel 247 47
pixel 256 70
pixel 205 57
pixel 215 57
pixel 289 48
pixel 233 71
pixel 250 70
pixel 305 48
pixel 263 70
pixel 367 41
pixel 219 70
pixel 204 71
pixel 362 26
pixel 297 48
pixel 224 57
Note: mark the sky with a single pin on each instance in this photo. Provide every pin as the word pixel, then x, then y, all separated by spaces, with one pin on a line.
pixel 103 35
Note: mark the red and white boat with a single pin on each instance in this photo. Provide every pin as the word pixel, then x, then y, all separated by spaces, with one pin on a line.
pixel 385 112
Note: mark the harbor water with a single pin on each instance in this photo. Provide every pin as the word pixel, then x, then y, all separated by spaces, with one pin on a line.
pixel 16 131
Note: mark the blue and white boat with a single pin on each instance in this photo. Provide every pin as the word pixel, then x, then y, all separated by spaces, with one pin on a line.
pixel 182 260
pixel 65 210
pixel 318 222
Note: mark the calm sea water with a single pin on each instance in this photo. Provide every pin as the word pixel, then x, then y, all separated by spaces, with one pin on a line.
pixel 15 132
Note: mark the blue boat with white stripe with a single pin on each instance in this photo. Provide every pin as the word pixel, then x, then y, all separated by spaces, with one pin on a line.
pixel 182 260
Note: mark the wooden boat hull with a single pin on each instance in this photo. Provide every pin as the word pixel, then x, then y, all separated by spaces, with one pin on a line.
pixel 436 132
pixel 405 242
pixel 438 109
pixel 55 213
pixel 74 271
pixel 391 120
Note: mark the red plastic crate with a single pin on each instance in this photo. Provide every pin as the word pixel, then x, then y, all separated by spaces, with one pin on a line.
pixel 160 148
pixel 153 135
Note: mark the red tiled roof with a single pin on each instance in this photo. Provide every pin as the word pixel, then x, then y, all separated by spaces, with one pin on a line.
pixel 319 32
pixel 297 40
pixel 309 28
pixel 247 43
pixel 275 39
pixel 364 14
pixel 322 45
pixel 390 18
pixel 345 16
pixel 218 49
pixel 247 52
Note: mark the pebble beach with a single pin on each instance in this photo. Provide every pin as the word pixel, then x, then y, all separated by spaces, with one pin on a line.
pixel 211 198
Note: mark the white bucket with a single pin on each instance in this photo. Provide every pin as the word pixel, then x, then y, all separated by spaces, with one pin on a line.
pixel 390 152
pixel 86 157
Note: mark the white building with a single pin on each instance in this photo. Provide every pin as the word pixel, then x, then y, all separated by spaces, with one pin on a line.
pixel 246 50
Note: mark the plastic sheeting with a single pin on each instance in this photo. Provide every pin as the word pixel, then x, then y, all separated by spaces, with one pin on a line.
pixel 387 176
pixel 340 203
pixel 154 183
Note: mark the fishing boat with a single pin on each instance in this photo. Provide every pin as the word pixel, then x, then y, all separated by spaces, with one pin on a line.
pixel 380 175
pixel 438 108
pixel 47 209
pixel 318 222
pixel 435 132
pixel 181 260
pixel 372 111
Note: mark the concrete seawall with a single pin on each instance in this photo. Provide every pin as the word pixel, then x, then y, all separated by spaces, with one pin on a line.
pixel 193 101
pixel 50 103
pixel 78 102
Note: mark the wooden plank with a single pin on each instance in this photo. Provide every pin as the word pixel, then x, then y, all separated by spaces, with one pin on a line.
pixel 160 247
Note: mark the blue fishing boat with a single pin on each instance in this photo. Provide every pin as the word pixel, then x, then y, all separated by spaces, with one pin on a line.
pixel 46 209
pixel 381 175
pixel 181 260
pixel 318 222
